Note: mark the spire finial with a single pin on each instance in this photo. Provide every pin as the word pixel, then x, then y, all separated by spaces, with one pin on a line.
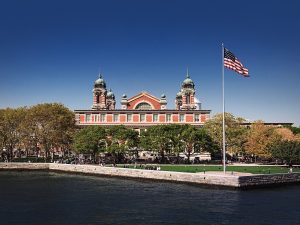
pixel 187 73
pixel 100 75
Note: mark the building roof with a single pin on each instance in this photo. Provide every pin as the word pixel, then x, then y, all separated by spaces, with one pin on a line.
pixel 141 111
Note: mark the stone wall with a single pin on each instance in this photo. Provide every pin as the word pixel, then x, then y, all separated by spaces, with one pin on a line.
pixel 219 179
pixel 196 178
pixel 24 166
pixel 268 179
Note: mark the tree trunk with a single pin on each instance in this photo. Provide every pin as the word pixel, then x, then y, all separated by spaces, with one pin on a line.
pixel 189 155
pixel 162 153
pixel 178 158
pixel 10 153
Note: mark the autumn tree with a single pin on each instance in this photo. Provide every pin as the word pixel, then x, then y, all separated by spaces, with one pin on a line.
pixel 10 129
pixel 259 138
pixel 52 125
pixel 285 133
pixel 295 130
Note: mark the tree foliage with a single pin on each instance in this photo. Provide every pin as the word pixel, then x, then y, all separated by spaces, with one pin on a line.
pixel 234 132
pixel 259 138
pixel 50 125
pixel 295 130
pixel 286 150
pixel 120 140
pixel 10 128
pixel 175 139
pixel 88 140
pixel 285 133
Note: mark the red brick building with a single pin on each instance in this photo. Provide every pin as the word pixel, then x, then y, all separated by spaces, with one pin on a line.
pixel 143 109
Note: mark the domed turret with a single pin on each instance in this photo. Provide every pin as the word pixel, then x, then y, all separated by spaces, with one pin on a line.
pixel 102 99
pixel 185 98
pixel 100 83
pixel 188 82
pixel 110 94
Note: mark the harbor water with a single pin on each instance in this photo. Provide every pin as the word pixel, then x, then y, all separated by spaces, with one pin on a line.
pixel 40 197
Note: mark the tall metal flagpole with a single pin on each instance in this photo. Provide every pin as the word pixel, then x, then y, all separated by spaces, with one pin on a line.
pixel 223 92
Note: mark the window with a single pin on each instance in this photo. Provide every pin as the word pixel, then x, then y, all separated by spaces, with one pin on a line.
pixel 87 117
pixel 142 117
pixel 155 117
pixel 169 117
pixel 102 118
pixel 143 106
pixel 181 117
pixel 196 118
pixel 129 117
pixel 116 117
pixel 96 118
pixel 187 99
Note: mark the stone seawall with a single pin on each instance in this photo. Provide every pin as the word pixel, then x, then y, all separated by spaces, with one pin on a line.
pixel 24 166
pixel 196 178
pixel 269 179
pixel 234 180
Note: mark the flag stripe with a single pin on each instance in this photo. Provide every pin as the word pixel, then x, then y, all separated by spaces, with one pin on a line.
pixel 231 62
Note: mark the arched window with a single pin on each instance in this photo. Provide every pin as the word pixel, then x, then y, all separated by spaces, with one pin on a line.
pixel 188 99
pixel 143 106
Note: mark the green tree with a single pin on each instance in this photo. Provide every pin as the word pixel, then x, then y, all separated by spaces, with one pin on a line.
pixel 190 136
pixel 175 139
pixel 286 150
pixel 88 139
pixel 235 133
pixel 120 140
pixel 174 134
pixel 156 139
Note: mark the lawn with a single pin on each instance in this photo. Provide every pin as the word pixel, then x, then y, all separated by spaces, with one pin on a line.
pixel 244 169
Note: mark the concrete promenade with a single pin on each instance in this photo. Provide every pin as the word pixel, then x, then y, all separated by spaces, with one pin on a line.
pixel 235 180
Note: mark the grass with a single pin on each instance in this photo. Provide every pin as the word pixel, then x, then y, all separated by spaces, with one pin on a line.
pixel 243 169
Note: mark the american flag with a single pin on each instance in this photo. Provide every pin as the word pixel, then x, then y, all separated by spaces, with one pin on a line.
pixel 232 62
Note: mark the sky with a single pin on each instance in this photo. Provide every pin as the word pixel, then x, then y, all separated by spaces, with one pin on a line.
pixel 53 51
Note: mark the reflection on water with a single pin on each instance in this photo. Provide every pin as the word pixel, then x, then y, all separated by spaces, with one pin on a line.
pixel 51 198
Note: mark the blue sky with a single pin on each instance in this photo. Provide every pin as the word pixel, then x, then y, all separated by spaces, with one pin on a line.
pixel 52 51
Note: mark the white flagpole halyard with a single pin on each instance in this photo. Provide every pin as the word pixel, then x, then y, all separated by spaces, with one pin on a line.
pixel 223 93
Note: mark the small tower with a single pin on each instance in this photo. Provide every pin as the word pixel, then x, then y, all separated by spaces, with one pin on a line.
pixel 110 100
pixel 178 101
pixel 163 102
pixel 124 102
pixel 185 98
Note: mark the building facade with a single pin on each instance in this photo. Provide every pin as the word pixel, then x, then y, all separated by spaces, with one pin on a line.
pixel 142 110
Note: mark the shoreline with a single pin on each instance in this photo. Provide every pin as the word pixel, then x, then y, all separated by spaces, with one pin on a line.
pixel 230 180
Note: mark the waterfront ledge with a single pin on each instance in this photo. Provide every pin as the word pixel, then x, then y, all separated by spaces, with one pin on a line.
pixel 235 180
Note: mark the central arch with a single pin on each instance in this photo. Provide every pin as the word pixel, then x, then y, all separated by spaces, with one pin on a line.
pixel 143 106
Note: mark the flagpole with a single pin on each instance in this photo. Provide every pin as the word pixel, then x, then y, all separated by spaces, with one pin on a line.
pixel 223 94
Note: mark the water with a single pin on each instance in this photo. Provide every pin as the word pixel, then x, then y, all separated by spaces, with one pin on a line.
pixel 52 198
